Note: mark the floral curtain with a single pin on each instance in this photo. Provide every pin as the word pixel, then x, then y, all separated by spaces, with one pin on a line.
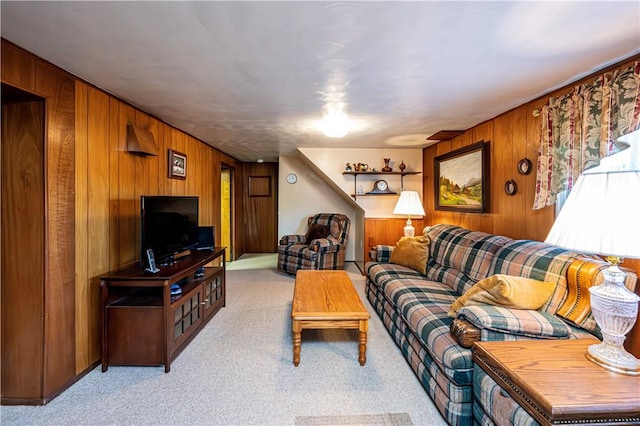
pixel 581 127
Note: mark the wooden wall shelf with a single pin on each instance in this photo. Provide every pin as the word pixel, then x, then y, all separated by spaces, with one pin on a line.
pixel 355 181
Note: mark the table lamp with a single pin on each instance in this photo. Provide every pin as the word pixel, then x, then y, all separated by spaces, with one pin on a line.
pixel 409 203
pixel 600 217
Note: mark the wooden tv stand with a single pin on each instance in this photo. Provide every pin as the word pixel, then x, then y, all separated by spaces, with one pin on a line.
pixel 142 324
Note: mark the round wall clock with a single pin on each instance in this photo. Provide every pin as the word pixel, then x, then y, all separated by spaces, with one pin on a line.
pixel 292 178
pixel 524 166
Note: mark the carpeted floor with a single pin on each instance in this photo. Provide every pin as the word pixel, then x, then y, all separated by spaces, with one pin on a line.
pixel 387 419
pixel 239 371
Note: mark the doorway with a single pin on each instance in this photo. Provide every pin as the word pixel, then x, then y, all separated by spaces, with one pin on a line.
pixel 22 254
pixel 226 211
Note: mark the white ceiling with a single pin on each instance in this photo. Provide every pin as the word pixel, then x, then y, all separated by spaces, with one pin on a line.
pixel 254 78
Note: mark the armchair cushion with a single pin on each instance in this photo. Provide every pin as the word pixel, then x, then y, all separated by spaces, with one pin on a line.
pixel 518 322
pixel 317 231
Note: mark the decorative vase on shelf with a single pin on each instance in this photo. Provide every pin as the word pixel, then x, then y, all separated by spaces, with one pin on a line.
pixel 402 166
pixel 386 167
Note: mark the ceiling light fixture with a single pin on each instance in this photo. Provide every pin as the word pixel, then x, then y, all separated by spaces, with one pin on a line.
pixel 335 123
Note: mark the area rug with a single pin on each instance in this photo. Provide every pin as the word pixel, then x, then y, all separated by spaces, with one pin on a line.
pixel 386 419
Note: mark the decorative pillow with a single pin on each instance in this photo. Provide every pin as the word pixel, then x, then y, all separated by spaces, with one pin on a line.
pixel 412 252
pixel 505 290
pixel 317 231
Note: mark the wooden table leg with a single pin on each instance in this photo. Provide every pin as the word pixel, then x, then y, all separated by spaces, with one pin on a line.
pixel 363 327
pixel 297 338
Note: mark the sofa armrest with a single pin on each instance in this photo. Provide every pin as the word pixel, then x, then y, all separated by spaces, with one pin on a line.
pixel 499 323
pixel 292 239
pixel 465 333
pixel 381 253
pixel 582 274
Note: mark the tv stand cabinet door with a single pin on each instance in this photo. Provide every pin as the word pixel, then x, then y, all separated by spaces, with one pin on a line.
pixel 187 317
pixel 135 335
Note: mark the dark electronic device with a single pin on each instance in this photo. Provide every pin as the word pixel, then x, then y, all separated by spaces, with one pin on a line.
pixel 168 226
pixel 206 238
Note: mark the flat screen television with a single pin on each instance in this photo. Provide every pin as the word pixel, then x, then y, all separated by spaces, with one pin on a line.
pixel 168 226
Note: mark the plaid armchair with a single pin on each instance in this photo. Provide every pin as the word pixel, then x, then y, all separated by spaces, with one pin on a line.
pixel 321 253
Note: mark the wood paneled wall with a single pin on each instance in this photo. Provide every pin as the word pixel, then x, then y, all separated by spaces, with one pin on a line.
pixel 110 181
pixel 93 199
pixel 512 136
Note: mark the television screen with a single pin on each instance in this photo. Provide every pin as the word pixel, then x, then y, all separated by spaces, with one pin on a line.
pixel 169 225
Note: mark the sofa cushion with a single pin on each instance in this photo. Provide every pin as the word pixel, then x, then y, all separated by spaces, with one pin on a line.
pixel 411 252
pixel 469 253
pixel 381 273
pixel 519 322
pixel 505 290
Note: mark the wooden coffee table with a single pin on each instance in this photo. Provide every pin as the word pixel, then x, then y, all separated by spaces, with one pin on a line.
pixel 327 299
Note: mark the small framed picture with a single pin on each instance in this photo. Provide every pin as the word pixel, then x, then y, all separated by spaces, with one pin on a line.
pixel 177 165
pixel 524 166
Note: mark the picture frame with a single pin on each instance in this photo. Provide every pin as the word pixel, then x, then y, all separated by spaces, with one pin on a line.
pixel 510 187
pixel 177 165
pixel 461 179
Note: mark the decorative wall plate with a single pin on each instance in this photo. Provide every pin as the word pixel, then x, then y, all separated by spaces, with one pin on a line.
pixel 510 187
pixel 524 166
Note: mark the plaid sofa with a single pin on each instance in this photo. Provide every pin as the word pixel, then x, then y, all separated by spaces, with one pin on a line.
pixel 414 309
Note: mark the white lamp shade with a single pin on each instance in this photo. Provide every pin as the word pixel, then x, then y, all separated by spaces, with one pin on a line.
pixel 409 204
pixel 602 213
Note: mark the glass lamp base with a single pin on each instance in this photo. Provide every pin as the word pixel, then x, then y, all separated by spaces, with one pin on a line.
pixel 409 230
pixel 614 358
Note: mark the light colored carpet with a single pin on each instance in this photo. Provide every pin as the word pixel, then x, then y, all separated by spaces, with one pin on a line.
pixel 387 419
pixel 239 371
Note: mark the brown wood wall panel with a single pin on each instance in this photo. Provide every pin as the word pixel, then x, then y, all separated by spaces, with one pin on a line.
pixel 98 208
pixel 23 236
pixel 114 189
pixel 512 136
pixel 520 205
pixel 128 206
pixel 153 163
pixel 83 300
pixel 59 89
pixel 501 160
pixel 18 67
pixel 93 205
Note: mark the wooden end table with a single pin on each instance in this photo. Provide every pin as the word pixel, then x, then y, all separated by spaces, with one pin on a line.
pixel 327 299
pixel 556 384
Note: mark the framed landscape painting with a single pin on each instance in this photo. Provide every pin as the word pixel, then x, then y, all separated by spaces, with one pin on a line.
pixel 460 179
